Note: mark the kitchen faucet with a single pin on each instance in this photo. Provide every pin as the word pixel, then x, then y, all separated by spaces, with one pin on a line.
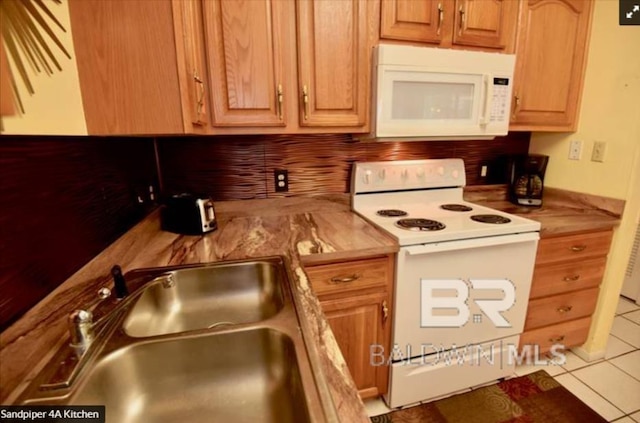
pixel 82 328
pixel 84 331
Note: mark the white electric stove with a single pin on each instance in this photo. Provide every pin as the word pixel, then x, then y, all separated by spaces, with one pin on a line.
pixel 458 266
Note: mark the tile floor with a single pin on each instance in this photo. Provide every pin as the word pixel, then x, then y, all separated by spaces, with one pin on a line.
pixel 610 386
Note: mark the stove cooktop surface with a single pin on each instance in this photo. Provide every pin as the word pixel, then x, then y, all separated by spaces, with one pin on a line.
pixel 469 221
pixel 421 201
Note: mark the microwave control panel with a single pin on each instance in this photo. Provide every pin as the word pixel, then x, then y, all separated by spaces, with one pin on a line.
pixel 501 94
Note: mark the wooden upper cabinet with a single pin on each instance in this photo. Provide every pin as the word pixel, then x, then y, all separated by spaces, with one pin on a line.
pixel 192 68
pixel 7 107
pixel 475 24
pixel 550 64
pixel 333 62
pixel 485 23
pixel 224 66
pixel 412 20
pixel 127 66
pixel 247 62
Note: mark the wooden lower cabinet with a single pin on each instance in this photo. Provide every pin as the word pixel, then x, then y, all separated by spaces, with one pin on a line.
pixel 569 334
pixel 358 325
pixel 356 297
pixel 564 291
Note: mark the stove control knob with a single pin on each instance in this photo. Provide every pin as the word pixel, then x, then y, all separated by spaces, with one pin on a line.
pixel 404 175
pixel 440 170
pixel 382 174
pixel 455 173
pixel 420 173
pixel 367 176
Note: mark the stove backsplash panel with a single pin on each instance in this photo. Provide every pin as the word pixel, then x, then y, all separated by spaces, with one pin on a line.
pixel 241 167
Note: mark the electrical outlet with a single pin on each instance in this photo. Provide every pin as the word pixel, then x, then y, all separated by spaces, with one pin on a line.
pixel 281 179
pixel 599 148
pixel 483 171
pixel 575 150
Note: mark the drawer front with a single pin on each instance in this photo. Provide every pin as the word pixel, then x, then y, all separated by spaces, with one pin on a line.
pixel 573 247
pixel 558 278
pixel 560 308
pixel 349 276
pixel 569 334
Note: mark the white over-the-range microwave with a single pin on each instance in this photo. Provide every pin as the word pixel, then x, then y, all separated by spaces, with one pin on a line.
pixel 424 93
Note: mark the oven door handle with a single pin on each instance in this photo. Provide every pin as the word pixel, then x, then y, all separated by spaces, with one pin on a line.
pixel 470 243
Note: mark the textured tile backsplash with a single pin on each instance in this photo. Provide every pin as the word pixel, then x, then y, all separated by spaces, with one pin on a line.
pixel 239 167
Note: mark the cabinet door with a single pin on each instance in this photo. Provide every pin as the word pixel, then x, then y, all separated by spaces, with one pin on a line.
pixel 551 57
pixel 411 20
pixel 187 17
pixel 486 23
pixel 333 62
pixel 247 67
pixel 357 323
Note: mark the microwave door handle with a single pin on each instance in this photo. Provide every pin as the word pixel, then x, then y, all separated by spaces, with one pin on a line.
pixel 486 111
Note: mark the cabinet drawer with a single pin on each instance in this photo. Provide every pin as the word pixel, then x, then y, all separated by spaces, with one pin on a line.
pixel 349 276
pixel 560 308
pixel 558 278
pixel 569 334
pixel 573 247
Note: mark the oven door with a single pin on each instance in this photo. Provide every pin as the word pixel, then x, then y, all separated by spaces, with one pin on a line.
pixel 462 292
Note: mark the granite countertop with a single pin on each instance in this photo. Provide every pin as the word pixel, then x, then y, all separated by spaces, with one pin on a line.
pixel 304 229
pixel 562 211
pixel 294 227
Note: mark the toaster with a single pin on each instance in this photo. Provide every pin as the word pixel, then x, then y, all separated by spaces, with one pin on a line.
pixel 188 214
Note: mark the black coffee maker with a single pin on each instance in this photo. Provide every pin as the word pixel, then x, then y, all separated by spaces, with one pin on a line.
pixel 526 179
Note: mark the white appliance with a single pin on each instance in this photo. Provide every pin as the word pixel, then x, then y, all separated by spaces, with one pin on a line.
pixel 459 246
pixel 432 93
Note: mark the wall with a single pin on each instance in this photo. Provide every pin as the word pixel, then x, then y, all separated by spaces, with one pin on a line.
pixel 240 167
pixel 56 106
pixel 610 113
pixel 62 201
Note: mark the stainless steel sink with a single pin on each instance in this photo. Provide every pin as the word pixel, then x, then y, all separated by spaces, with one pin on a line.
pixel 206 297
pixel 215 342
pixel 247 376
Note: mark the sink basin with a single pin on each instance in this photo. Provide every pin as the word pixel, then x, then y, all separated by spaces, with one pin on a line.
pixel 207 297
pixel 247 376
pixel 216 342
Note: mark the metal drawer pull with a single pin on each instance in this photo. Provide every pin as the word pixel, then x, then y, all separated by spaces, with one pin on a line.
pixel 558 339
pixel 385 312
pixel 345 279
pixel 305 101
pixel 516 104
pixel 564 309
pixel 280 99
pixel 571 278
pixel 578 248
pixel 200 100
pixel 440 17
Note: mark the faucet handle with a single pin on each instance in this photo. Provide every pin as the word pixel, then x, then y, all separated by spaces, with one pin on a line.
pixel 81 322
pixel 81 328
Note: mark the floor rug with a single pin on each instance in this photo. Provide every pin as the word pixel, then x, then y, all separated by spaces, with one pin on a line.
pixel 535 398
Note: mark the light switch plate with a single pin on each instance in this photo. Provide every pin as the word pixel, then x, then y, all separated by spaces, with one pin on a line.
pixel 575 150
pixel 599 148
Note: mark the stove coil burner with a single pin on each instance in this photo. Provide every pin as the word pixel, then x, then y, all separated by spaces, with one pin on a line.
pixel 391 213
pixel 456 207
pixel 490 218
pixel 420 224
